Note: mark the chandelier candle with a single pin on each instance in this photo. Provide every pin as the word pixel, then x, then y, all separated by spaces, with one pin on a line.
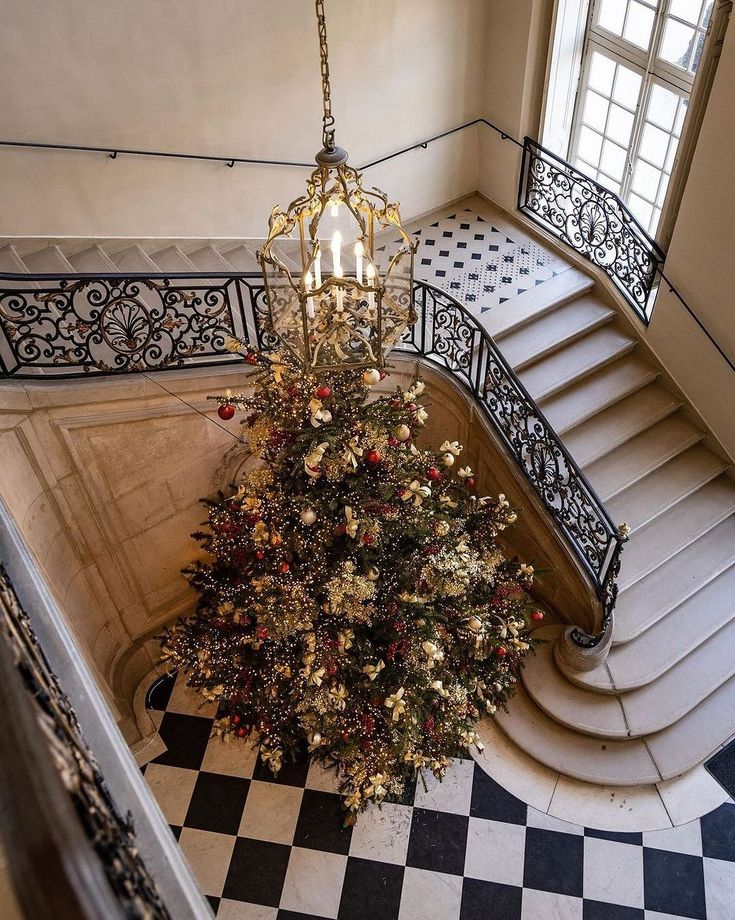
pixel 349 319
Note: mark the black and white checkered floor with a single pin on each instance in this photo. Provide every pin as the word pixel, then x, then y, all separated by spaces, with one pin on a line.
pixel 464 848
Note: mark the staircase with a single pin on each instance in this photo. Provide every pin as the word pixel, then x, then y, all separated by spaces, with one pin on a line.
pixel 665 698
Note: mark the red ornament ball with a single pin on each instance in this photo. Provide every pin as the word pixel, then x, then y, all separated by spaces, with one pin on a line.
pixel 382 375
pixel 501 651
pixel 537 615
pixel 241 731
pixel 251 358
pixel 368 539
pixel 345 736
pixel 283 568
pixel 259 554
pixel 470 483
pixel 393 442
pixel 322 392
pixel 226 411
pixel 292 392
pixel 411 407
pixel 236 719
pixel 373 457
pixel 434 474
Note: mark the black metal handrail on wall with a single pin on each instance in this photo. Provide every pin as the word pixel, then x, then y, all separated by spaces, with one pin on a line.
pixel 577 210
pixel 71 326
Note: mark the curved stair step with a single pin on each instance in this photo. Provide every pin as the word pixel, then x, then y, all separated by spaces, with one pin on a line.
pixel 663 488
pixel 643 604
pixel 555 373
pixel 642 454
pixel 241 259
pixel 593 394
pixel 172 259
pixel 637 713
pixel 593 760
pixel 134 259
pixel 208 259
pixel 681 525
pixel 612 427
pixel 644 659
pixel 554 330
pixel 92 259
pixel 696 736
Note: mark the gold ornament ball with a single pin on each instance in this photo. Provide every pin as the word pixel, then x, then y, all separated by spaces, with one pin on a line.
pixel 448 459
pixel 371 377
pixel 373 574
pixel 308 516
pixel 402 432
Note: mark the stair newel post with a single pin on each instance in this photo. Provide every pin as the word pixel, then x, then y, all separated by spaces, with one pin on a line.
pixel 578 651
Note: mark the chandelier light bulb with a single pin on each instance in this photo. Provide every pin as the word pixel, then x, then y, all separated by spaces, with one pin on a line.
pixel 342 314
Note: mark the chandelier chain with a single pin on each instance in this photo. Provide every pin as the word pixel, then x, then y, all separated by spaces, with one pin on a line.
pixel 328 118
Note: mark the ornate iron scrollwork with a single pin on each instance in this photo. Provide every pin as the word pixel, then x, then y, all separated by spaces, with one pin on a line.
pixel 110 834
pixel 593 221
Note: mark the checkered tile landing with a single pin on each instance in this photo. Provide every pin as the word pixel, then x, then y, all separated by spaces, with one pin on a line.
pixel 464 849
pixel 481 259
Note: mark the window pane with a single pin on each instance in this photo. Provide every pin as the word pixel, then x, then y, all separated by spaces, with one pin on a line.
pixel 677 43
pixel 627 87
pixel 641 209
pixel 590 144
pixel 612 15
pixel 686 9
pixel 638 24
pixel 595 111
pixel 654 144
pixel 645 180
pixel 681 115
pixel 697 56
pixel 662 106
pixel 602 71
pixel 609 183
pixel 613 160
pixel 619 125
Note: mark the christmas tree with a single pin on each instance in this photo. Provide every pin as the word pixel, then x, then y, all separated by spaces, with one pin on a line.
pixel 356 598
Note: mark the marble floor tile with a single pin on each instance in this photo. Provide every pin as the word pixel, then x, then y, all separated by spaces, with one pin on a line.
pixel 209 855
pixel 430 895
pixel 613 872
pixel 495 851
pixel 172 788
pixel 313 882
pixel 451 794
pixel 382 834
pixel 271 812
pixel 549 906
pixel 232 758
pixel 687 838
pixel 719 884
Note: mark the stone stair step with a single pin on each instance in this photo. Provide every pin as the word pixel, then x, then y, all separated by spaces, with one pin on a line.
pixel 209 260
pixel 642 711
pixel 560 370
pixel 644 603
pixel 596 437
pixel 674 636
pixel 669 533
pixel 92 259
pixel 134 259
pixel 592 760
pixel 241 259
pixel 597 392
pixel 172 259
pixel 693 738
pixel 12 263
pixel 586 711
pixel 50 260
pixel 660 490
pixel 554 330
pixel 641 455
pixel 537 301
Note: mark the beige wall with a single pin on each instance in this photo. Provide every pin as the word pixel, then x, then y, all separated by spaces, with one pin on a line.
pixel 238 77
pixel 700 264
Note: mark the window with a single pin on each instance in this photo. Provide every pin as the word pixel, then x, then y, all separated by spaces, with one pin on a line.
pixel 638 66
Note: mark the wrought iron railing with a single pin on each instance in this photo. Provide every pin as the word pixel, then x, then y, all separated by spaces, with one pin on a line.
pixel 70 851
pixel 593 221
pixel 83 325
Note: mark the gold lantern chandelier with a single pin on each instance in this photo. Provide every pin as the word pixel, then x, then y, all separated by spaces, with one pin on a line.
pixel 330 300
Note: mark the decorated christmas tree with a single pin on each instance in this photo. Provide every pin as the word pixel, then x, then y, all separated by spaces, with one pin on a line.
pixel 356 599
